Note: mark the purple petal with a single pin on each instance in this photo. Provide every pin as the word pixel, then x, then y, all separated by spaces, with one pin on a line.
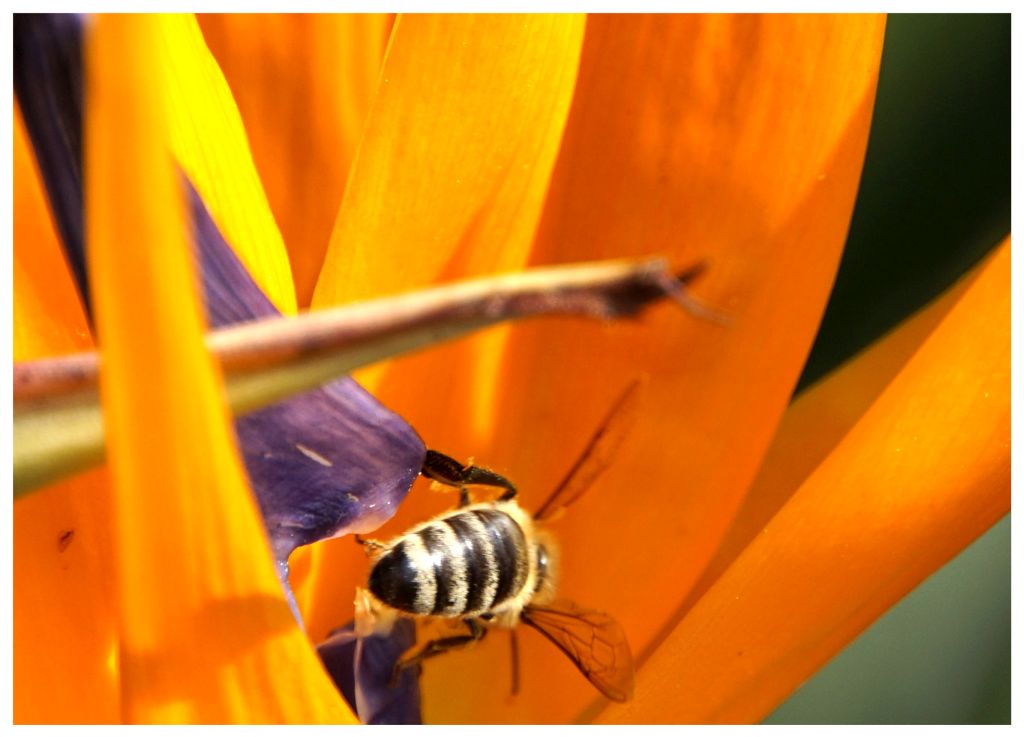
pixel 362 667
pixel 328 462
pixel 338 654
pixel 48 85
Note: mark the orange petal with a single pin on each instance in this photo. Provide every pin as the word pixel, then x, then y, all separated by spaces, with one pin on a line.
pixel 64 617
pixel 304 85
pixel 818 420
pixel 924 472
pixel 449 182
pixel 737 140
pixel 209 143
pixel 48 317
pixel 205 632
pixel 455 160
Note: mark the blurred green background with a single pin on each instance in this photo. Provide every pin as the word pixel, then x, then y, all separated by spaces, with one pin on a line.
pixel 934 199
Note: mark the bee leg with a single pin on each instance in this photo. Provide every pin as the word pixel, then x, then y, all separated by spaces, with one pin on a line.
pixel 437 647
pixel 370 546
pixel 447 470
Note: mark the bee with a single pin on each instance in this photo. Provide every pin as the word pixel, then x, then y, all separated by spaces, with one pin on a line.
pixel 492 564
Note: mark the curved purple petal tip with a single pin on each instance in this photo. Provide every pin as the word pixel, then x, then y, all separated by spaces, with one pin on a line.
pixel 362 667
pixel 329 461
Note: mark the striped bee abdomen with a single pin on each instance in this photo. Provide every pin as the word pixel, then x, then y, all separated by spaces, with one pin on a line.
pixel 464 564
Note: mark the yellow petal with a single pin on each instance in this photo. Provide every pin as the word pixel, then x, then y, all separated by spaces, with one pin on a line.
pixel 64 618
pixel 205 632
pixel 736 140
pixel 208 140
pixel 449 182
pixel 304 85
pixel 924 472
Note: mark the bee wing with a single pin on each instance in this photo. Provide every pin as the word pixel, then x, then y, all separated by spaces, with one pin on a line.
pixel 593 641
pixel 597 455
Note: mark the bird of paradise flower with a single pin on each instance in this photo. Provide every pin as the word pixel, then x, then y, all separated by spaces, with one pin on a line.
pixel 737 140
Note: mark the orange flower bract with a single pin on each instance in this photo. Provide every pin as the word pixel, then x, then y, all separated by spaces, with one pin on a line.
pixel 480 144
pixel 64 612
pixel 190 549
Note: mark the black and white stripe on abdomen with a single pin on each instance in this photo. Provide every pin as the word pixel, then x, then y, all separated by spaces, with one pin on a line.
pixel 463 564
pixel 494 548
